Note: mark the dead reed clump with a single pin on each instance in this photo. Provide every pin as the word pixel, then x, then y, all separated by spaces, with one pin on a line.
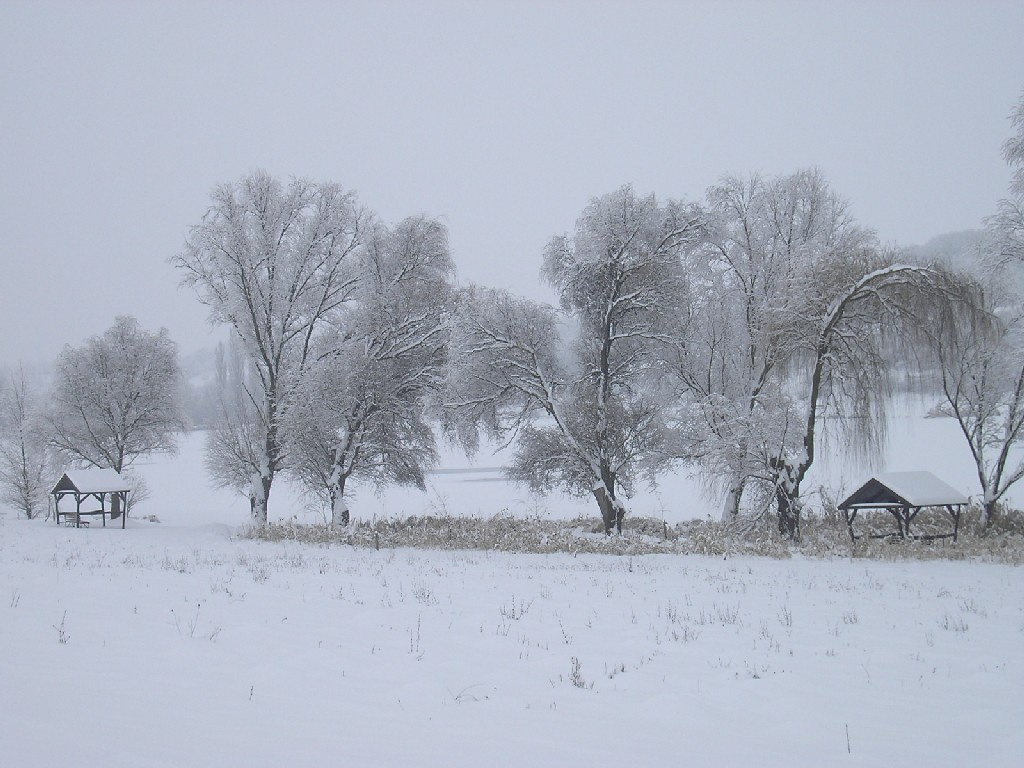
pixel 824 534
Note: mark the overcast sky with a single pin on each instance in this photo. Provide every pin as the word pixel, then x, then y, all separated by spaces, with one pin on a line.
pixel 503 118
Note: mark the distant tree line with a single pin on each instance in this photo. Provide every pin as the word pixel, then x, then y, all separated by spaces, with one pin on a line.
pixel 721 333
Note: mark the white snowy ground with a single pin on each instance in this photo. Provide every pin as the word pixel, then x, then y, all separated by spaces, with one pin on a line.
pixel 177 644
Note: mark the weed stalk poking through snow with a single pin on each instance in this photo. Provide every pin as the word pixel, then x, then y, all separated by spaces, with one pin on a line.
pixel 62 634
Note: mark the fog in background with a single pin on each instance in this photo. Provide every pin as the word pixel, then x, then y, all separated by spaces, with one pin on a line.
pixel 503 118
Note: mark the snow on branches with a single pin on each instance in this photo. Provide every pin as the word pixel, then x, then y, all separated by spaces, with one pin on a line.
pixel 577 392
pixel 275 263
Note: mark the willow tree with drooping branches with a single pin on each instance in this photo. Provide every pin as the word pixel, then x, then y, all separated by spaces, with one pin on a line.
pixel 792 309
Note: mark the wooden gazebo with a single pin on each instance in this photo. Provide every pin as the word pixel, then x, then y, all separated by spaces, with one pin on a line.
pixel 904 495
pixel 96 485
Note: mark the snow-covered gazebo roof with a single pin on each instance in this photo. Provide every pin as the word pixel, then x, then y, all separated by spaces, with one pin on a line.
pixel 91 481
pixel 904 489
pixel 904 494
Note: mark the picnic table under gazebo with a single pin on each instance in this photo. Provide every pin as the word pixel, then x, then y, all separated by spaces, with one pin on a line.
pixel 904 495
pixel 89 487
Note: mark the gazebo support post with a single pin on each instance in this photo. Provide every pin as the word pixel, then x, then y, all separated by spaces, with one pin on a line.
pixel 850 516
pixel 955 514
pixel 898 513
pixel 911 514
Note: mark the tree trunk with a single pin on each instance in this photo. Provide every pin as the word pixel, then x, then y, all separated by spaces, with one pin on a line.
pixel 789 514
pixel 612 510
pixel 731 506
pixel 259 494
pixel 339 508
pixel 787 498
pixel 989 511
pixel 115 500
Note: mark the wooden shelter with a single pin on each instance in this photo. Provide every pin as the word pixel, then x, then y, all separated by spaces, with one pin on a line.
pixel 96 485
pixel 904 495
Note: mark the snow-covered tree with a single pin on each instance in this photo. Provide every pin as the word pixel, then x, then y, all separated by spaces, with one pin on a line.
pixel 981 370
pixel 1013 148
pixel 587 415
pixel 860 309
pixel 788 313
pixel 25 464
pixel 358 411
pixel 981 363
pixel 274 263
pixel 739 326
pixel 116 398
pixel 1005 228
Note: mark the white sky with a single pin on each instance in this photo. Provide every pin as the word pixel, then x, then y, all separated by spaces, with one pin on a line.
pixel 502 117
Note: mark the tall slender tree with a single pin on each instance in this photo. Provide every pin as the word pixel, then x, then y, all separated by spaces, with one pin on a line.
pixel 981 374
pixel 274 263
pixel 25 460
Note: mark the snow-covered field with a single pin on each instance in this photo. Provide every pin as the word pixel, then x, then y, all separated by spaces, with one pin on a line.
pixel 179 644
